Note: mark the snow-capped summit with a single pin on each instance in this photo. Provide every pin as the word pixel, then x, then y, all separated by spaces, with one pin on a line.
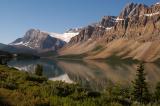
pixel 67 35
pixel 42 40
pixel 38 40
pixel 158 3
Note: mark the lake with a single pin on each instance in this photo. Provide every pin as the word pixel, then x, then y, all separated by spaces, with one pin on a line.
pixel 96 75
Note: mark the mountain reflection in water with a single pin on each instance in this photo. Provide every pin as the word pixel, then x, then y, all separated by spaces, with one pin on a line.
pixel 96 75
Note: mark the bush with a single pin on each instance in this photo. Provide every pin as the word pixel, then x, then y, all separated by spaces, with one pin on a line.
pixel 93 94
pixel 39 70
pixel 157 92
pixel 8 85
pixel 36 78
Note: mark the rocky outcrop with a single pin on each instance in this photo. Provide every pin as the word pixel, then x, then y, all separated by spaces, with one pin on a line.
pixel 133 20
pixel 108 21
pixel 84 35
pixel 137 23
pixel 95 30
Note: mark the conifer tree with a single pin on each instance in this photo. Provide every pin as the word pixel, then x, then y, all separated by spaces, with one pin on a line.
pixel 39 70
pixel 140 92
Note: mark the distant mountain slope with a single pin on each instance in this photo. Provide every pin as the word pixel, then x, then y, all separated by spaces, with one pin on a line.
pixel 135 34
pixel 39 41
pixel 12 49
pixel 4 47
pixel 8 48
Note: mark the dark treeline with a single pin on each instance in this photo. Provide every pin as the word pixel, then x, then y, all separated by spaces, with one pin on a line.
pixel 4 57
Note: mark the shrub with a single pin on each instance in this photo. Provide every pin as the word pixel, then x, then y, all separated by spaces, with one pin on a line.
pixel 39 70
pixel 93 94
pixel 157 92
pixel 36 78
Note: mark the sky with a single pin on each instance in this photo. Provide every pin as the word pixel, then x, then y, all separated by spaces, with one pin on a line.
pixel 18 16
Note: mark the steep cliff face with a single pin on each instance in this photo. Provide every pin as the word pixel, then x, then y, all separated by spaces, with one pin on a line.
pixel 137 26
pixel 95 30
pixel 138 22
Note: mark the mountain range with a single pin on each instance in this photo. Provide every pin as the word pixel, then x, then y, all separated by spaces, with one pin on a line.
pixel 133 34
pixel 36 41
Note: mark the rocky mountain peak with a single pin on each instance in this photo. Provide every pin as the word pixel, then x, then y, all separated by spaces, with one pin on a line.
pixel 108 21
pixel 137 23
pixel 156 7
pixel 35 33
pixel 158 3
pixel 39 40
pixel 129 8
pixel 132 9
pixel 137 10
pixel 94 30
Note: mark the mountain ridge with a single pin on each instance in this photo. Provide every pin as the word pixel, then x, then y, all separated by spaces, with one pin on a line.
pixel 134 34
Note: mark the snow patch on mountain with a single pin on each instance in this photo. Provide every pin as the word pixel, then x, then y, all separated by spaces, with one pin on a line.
pixel 158 3
pixel 152 14
pixel 19 43
pixel 65 37
pixel 119 19
pixel 109 28
pixel 38 40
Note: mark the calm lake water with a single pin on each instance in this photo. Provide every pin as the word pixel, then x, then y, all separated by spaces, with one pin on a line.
pixel 91 74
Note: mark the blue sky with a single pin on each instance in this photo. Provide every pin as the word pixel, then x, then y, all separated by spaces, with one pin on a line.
pixel 17 16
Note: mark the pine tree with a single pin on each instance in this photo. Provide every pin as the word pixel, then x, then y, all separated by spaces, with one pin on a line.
pixel 140 92
pixel 39 70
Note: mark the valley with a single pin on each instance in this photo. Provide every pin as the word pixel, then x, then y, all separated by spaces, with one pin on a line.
pixel 114 61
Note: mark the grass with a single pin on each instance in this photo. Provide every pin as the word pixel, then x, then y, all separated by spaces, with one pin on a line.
pixel 19 88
